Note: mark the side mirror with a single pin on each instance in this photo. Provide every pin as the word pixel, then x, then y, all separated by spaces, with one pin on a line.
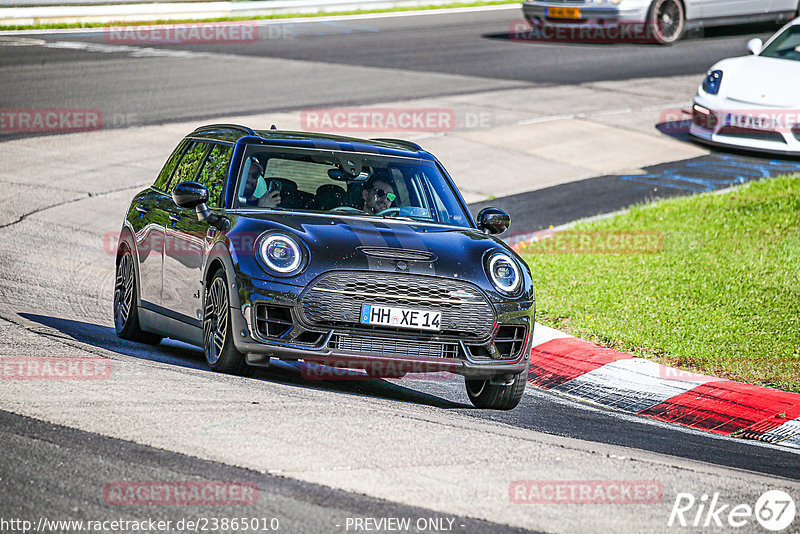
pixel 191 195
pixel 755 46
pixel 493 221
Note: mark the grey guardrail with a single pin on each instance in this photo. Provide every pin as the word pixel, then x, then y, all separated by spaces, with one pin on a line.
pixel 105 13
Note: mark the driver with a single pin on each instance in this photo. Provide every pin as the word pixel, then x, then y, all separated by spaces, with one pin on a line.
pixel 378 194
pixel 255 188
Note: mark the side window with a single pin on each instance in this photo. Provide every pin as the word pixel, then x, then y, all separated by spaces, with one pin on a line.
pixel 187 168
pixel 214 172
pixel 166 172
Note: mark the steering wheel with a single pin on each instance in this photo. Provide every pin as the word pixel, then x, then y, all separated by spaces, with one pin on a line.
pixel 388 211
pixel 345 209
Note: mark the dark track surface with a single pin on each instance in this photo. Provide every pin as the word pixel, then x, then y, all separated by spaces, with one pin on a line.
pixel 60 473
pixel 561 204
pixel 332 63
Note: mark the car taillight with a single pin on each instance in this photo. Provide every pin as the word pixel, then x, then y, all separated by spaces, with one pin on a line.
pixel 704 118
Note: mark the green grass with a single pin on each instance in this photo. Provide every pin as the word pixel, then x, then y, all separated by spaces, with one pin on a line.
pixel 262 17
pixel 721 298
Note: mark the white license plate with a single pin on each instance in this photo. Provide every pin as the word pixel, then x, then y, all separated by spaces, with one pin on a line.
pixel 401 317
pixel 750 122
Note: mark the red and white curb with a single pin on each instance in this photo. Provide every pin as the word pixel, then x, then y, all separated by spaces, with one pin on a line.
pixel 603 376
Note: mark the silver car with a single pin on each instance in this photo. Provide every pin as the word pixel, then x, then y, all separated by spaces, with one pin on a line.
pixel 662 21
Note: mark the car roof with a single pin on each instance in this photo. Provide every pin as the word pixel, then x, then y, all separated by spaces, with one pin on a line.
pixel 233 132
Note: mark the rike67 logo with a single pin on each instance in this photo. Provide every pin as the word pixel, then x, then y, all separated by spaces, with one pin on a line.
pixel 774 511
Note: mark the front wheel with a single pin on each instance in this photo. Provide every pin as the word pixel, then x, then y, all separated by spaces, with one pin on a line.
pixel 484 394
pixel 218 347
pixel 666 21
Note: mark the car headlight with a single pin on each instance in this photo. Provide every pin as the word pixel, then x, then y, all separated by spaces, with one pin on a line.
pixel 712 82
pixel 504 272
pixel 281 253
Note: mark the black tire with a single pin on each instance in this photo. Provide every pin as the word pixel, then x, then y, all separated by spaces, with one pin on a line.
pixel 220 352
pixel 666 21
pixel 126 311
pixel 483 394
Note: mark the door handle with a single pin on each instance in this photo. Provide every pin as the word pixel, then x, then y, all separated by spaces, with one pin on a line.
pixel 174 217
pixel 141 209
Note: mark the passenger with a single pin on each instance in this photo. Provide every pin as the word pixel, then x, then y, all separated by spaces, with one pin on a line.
pixel 378 194
pixel 255 188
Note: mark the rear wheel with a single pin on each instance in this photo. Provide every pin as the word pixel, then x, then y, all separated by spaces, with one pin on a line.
pixel 484 394
pixel 218 347
pixel 126 313
pixel 666 21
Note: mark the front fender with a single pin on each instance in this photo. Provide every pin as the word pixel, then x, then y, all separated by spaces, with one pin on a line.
pixel 220 256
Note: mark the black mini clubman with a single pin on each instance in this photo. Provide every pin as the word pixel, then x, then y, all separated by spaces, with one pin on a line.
pixel 343 252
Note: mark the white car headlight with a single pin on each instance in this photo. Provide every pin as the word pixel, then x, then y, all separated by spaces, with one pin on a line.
pixel 504 272
pixel 281 253
pixel 712 82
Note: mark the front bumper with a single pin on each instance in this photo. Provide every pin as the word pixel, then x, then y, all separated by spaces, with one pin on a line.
pixel 537 12
pixel 712 124
pixel 379 351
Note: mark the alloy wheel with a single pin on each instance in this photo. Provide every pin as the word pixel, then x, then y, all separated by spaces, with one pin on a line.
pixel 668 21
pixel 123 291
pixel 215 321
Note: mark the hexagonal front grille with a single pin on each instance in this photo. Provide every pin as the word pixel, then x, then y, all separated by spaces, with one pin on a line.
pixel 393 347
pixel 335 299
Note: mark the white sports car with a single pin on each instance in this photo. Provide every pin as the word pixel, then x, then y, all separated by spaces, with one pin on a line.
pixel 753 102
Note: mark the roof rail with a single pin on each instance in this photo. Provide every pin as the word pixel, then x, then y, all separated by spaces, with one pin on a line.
pixel 245 129
pixel 401 142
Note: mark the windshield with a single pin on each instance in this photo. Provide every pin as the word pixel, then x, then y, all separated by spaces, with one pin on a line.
pixel 786 45
pixel 346 183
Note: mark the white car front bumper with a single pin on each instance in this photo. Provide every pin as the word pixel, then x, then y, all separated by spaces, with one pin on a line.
pixel 747 126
